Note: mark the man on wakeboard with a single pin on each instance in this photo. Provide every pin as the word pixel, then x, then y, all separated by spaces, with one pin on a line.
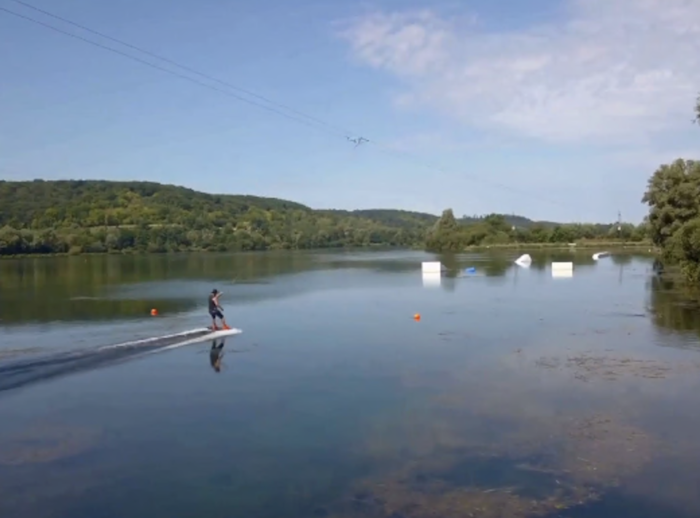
pixel 215 310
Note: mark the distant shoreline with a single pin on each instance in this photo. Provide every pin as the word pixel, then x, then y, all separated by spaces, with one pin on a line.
pixel 141 253
pixel 586 245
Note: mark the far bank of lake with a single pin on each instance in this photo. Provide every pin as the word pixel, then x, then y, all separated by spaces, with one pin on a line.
pixel 644 246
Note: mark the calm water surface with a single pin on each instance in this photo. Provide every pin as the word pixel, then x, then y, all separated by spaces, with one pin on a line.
pixel 515 395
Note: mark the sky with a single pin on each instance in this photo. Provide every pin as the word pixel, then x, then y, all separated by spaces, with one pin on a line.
pixel 556 110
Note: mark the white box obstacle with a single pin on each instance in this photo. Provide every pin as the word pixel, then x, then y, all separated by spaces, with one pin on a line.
pixel 562 270
pixel 431 267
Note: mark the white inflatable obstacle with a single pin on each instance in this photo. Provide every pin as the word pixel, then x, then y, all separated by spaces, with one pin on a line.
pixel 524 260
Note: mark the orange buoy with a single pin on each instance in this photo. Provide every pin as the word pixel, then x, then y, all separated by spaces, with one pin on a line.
pixel 154 312
pixel 416 317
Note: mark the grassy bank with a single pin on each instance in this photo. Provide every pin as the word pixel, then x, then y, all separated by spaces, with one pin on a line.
pixel 581 245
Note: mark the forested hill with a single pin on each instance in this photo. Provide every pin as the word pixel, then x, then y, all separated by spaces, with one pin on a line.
pixel 409 219
pixel 391 217
pixel 76 216
pixel 98 216
pixel 42 204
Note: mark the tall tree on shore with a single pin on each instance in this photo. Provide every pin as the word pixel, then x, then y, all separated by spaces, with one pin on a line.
pixel 673 197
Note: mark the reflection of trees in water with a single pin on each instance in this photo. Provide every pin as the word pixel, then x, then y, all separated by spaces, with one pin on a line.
pixel 77 288
pixel 672 306
pixel 87 276
pixel 621 259
pixel 80 288
pixel 498 267
pixel 44 309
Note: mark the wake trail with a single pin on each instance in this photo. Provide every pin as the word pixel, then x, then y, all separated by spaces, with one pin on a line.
pixel 20 373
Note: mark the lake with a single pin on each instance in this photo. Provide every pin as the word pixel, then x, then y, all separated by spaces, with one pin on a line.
pixel 515 394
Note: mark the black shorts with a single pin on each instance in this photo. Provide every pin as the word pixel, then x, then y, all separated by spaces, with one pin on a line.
pixel 216 313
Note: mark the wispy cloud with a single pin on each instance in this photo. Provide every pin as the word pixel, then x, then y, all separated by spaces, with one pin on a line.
pixel 611 71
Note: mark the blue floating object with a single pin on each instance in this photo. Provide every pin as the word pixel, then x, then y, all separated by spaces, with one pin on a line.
pixel 471 269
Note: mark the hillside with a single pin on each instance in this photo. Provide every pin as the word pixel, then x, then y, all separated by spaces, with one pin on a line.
pixel 75 216
pixel 389 217
pixel 98 216
pixel 42 204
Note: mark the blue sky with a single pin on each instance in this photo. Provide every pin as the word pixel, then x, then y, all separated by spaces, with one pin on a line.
pixel 552 110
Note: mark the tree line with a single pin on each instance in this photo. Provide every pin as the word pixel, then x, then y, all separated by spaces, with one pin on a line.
pixel 450 234
pixel 42 217
pixel 86 216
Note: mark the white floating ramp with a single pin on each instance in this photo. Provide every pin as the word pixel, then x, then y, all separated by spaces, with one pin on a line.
pixel 600 255
pixel 524 260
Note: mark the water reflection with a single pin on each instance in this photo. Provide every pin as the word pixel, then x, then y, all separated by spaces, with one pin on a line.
pixel 674 309
pixel 431 280
pixel 216 354
pixel 127 287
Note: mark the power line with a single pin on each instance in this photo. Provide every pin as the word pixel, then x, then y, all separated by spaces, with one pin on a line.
pixel 307 120
pixel 343 131
pixel 168 71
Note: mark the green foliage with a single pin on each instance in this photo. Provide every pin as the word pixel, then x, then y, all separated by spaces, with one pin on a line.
pixel 100 216
pixel 445 235
pixel 450 235
pixel 395 218
pixel 673 196
pixel 697 110
pixel 75 217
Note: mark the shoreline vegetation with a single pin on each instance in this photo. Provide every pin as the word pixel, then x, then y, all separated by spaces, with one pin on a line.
pixel 608 246
pixel 39 218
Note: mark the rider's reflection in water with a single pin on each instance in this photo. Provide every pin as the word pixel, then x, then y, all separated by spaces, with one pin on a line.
pixel 216 353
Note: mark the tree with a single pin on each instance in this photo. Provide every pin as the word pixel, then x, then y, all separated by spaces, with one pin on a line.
pixel 685 247
pixel 697 110
pixel 673 196
pixel 673 224
pixel 446 235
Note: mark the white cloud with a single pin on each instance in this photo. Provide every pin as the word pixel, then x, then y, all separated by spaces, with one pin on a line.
pixel 612 70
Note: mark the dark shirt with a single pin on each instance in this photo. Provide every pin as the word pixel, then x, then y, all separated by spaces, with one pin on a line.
pixel 212 303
